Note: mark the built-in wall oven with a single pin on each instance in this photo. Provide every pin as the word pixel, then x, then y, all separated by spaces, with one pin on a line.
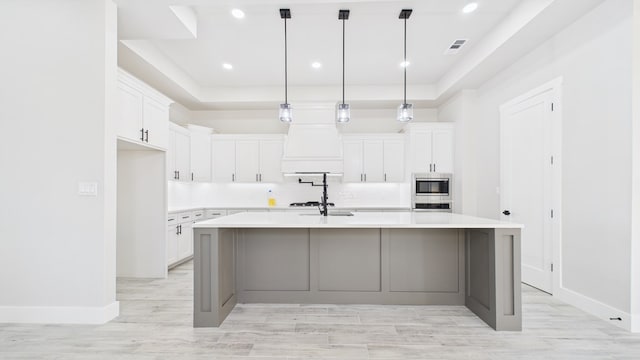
pixel 432 192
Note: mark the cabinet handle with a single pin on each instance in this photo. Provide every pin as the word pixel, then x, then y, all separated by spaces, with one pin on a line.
pixel 233 177
pixel 185 217
pixel 142 134
pixel 146 133
pixel 260 177
pixel 430 167
pixel 361 180
pixel 191 176
pixel 256 177
pixel 385 177
pixel 434 167
pixel 178 174
pixel 365 177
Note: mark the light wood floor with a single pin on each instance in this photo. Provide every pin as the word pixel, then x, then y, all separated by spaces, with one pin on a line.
pixel 155 323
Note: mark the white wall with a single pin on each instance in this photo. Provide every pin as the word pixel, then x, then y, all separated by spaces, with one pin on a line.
pixel 58 82
pixel 266 121
pixel 593 56
pixel 635 209
pixel 459 110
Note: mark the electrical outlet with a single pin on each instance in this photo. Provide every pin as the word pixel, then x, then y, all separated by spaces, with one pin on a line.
pixel 88 189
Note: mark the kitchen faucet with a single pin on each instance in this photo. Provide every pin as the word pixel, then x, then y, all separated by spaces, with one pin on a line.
pixel 322 206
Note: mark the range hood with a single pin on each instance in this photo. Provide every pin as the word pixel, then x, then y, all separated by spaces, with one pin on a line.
pixel 313 144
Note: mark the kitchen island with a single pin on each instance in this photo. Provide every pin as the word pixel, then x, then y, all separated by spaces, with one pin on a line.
pixel 406 258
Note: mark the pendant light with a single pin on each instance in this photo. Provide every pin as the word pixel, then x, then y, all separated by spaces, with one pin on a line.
pixel 285 109
pixel 405 111
pixel 343 111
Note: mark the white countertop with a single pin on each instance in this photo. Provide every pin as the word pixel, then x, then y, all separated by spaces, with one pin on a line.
pixel 418 220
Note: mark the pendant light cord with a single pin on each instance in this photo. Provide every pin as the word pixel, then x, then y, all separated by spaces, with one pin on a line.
pixel 343 19
pixel 405 60
pixel 285 61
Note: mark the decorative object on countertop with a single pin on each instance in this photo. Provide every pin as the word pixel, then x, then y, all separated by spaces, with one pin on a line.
pixel 285 109
pixel 405 111
pixel 271 200
pixel 343 111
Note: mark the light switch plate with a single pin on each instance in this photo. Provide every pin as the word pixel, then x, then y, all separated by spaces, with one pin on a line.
pixel 88 189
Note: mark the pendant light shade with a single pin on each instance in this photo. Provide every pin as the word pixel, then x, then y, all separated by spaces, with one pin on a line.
pixel 285 109
pixel 343 111
pixel 405 111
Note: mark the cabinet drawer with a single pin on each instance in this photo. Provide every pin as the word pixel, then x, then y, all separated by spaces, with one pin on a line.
pixel 198 215
pixel 185 217
pixel 212 213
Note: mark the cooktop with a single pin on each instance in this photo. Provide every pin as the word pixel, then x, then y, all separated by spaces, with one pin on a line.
pixel 309 203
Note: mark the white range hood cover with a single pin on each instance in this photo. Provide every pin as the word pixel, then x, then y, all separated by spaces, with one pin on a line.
pixel 313 143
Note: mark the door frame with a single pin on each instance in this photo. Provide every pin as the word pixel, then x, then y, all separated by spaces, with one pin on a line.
pixel 555 86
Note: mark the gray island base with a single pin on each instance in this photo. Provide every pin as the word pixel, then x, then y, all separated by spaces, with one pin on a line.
pixel 370 258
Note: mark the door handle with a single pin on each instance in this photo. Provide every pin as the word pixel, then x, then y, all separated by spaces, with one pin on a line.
pixel 506 212
pixel 146 133
pixel 142 134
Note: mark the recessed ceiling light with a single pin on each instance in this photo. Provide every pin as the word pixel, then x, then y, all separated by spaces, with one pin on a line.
pixel 316 65
pixel 405 64
pixel 237 13
pixel 227 66
pixel 470 7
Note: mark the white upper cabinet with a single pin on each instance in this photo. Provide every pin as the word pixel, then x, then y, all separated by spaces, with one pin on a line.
pixel 431 147
pixel 223 154
pixel 353 161
pixel 247 158
pixel 200 153
pixel 373 158
pixel 143 113
pixel 178 154
pixel 271 160
pixel 393 158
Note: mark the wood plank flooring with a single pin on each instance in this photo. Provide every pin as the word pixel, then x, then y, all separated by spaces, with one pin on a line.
pixel 156 315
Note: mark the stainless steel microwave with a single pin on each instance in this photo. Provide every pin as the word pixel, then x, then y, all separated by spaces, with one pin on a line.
pixel 432 191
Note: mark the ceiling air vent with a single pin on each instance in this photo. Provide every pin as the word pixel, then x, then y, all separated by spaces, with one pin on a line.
pixel 455 47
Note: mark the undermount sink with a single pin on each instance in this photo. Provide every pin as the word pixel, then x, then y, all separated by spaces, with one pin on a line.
pixel 335 213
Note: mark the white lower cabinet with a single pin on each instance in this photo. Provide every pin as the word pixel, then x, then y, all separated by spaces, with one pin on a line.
pixel 179 237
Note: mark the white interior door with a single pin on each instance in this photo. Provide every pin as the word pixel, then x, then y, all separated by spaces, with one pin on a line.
pixel 526 178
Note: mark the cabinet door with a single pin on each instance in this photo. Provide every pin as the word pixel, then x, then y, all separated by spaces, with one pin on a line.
pixel 182 152
pixel 421 151
pixel 223 153
pixel 171 156
pixel 247 160
pixel 393 161
pixel 129 113
pixel 373 166
pixel 185 241
pixel 156 121
pixel 172 244
pixel 271 160
pixel 352 161
pixel 442 146
pixel 200 156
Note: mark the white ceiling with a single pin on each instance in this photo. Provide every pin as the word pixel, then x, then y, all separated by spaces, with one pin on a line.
pixel 161 50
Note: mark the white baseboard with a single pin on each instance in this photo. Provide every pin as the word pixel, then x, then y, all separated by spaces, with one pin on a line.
pixel 59 314
pixel 595 308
